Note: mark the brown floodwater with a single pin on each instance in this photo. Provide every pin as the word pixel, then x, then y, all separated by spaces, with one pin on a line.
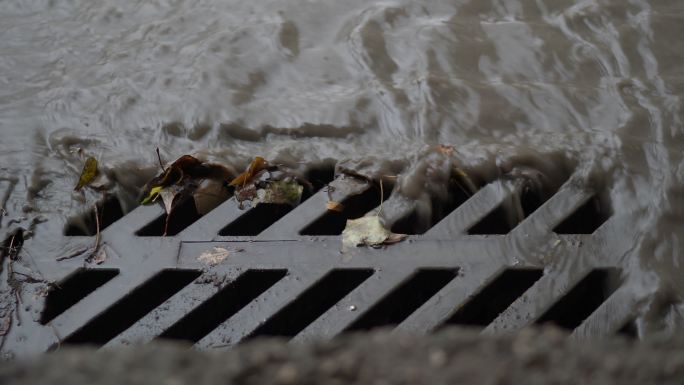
pixel 552 85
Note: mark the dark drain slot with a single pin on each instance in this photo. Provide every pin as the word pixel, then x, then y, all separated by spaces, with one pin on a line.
pixel 315 301
pixel 319 177
pixel 496 222
pixel 181 217
pixel 333 222
pixel 133 306
pixel 108 211
pixel 496 297
pixel 256 220
pixel 72 289
pixel 224 304
pixel 580 302
pixel 585 220
pixel 405 299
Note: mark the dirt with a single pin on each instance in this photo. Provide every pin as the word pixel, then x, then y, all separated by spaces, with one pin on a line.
pixel 453 356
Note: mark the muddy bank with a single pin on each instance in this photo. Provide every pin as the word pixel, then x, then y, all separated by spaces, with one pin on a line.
pixel 452 356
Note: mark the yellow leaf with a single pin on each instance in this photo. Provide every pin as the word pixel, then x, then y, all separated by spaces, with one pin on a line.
pixel 87 174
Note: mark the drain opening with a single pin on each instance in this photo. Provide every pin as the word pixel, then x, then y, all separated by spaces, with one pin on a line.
pixel 405 299
pixel 580 302
pixel 319 177
pixel 132 307
pixel 315 301
pixel 496 297
pixel 585 220
pixel 496 223
pixel 256 219
pixel 333 222
pixel 530 201
pixel 458 191
pixel 223 305
pixel 182 216
pixel 108 211
pixel 72 289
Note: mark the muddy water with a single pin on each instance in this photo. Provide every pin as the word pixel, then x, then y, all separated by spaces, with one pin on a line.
pixel 592 85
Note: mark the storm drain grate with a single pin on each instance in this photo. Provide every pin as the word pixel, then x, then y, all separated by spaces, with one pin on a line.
pixel 501 259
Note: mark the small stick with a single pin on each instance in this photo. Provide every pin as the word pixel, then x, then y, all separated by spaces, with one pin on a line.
pixel 10 249
pixel 382 198
pixel 161 164
pixel 97 229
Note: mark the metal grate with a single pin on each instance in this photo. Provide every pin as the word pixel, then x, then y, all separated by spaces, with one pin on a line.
pixel 286 275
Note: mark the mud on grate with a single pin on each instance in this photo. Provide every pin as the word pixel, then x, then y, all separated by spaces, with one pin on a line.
pixel 501 259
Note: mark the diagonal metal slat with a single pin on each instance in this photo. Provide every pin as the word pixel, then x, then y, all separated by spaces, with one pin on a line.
pixel 208 227
pixel 448 300
pixel 536 301
pixel 619 309
pixel 244 322
pixel 180 304
pixel 469 213
pixel 97 302
pixel 355 304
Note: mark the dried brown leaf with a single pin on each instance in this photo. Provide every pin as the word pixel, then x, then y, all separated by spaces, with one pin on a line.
pixel 334 206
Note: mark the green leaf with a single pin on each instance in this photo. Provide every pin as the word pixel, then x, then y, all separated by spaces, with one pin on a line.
pixel 88 173
pixel 152 196
pixel 280 192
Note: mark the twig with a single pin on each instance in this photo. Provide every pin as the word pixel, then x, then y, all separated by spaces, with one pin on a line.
pixel 161 164
pixel 10 249
pixel 382 198
pixel 97 228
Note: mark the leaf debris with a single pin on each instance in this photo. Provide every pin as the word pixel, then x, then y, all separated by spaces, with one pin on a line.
pixel 368 231
pixel 214 256
pixel 334 206
pixel 88 173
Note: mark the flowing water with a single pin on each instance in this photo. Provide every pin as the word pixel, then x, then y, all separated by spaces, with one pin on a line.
pixel 552 84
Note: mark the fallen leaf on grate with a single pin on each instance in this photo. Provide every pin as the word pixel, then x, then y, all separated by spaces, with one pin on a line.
pixel 258 164
pixel 214 256
pixel 368 231
pixel 334 206
pixel 280 192
pixel 185 173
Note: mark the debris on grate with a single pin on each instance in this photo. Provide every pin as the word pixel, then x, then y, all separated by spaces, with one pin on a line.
pixel 332 222
pixel 290 278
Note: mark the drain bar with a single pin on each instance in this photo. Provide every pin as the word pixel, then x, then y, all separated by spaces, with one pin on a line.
pixel 286 275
